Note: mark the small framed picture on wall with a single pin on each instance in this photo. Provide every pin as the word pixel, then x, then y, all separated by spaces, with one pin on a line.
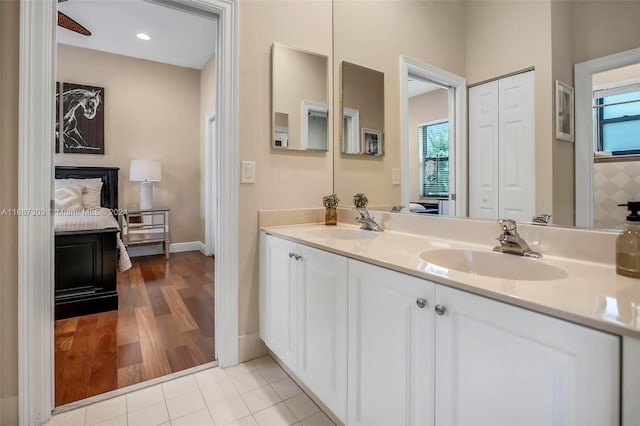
pixel 371 141
pixel 565 121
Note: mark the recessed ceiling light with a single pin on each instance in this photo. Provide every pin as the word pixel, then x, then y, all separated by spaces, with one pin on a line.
pixel 143 36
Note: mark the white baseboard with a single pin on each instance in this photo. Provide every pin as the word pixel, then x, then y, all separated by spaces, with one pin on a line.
pixel 151 249
pixel 250 346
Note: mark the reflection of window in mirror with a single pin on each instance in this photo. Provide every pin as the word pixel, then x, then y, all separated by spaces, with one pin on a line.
pixel 434 159
pixel 315 125
pixel 616 138
pixel 350 131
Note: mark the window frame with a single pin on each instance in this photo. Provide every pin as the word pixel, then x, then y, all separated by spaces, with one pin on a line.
pixel 598 97
pixel 422 158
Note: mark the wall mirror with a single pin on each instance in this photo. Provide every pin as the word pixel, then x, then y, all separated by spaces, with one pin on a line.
pixel 362 109
pixel 505 52
pixel 300 99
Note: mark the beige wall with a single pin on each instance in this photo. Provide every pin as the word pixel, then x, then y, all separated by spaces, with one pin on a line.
pixel 207 106
pixel 9 35
pixel 284 179
pixel 563 152
pixel 152 111
pixel 373 34
pixel 298 76
pixel 498 32
pixel 604 27
pixel 363 90
pixel 425 108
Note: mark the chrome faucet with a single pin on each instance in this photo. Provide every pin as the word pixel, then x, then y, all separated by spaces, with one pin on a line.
pixel 368 224
pixel 511 242
pixel 541 219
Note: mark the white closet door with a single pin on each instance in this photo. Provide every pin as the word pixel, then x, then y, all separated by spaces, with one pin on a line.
pixel 483 151
pixel 517 161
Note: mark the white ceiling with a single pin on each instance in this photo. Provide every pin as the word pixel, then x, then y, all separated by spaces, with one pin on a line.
pixel 177 37
pixel 420 87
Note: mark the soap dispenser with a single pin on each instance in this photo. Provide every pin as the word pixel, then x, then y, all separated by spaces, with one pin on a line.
pixel 628 243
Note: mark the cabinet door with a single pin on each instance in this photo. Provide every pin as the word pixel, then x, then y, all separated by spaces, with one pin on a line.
pixel 390 348
pixel 278 295
pixel 500 365
pixel 483 151
pixel 322 322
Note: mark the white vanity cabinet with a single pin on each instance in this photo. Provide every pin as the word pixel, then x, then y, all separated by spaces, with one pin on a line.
pixel 380 347
pixel 469 360
pixel 501 365
pixel 391 338
pixel 303 316
pixel 278 298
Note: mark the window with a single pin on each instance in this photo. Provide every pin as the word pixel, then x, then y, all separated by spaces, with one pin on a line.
pixel 434 159
pixel 618 118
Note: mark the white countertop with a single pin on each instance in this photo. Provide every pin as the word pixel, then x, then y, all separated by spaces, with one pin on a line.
pixel 592 294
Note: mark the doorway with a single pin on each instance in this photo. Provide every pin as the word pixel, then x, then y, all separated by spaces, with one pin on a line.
pixel 125 313
pixel 433 148
pixel 36 249
pixel 587 133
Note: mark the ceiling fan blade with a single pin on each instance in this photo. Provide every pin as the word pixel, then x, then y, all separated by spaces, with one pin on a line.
pixel 65 22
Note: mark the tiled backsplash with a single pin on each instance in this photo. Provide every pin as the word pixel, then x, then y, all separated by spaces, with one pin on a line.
pixel 614 183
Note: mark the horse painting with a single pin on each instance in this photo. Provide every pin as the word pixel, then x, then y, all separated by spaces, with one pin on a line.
pixel 83 119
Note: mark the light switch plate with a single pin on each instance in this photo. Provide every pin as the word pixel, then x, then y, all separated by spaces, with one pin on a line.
pixel 395 176
pixel 248 172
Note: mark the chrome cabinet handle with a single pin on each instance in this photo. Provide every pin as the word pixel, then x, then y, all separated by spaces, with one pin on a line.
pixel 421 303
pixel 440 310
pixel 291 254
pixel 297 256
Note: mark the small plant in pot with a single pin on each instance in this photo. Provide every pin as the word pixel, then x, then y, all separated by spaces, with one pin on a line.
pixel 330 203
pixel 360 200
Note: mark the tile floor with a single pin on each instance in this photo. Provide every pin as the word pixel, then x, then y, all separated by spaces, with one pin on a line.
pixel 256 393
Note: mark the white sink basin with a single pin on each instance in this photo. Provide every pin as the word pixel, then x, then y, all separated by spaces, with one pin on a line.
pixel 491 264
pixel 343 234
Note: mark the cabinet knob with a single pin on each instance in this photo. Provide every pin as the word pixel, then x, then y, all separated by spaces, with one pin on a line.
pixel 291 254
pixel 440 310
pixel 421 303
pixel 297 256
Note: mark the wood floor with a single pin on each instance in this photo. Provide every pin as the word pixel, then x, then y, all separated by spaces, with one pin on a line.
pixel 164 324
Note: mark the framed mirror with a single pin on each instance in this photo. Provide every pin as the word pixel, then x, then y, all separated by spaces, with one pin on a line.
pixel 362 108
pixel 300 99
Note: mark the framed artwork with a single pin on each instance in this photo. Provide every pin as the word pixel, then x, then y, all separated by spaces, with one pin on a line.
pixel 56 139
pixel 82 119
pixel 565 120
pixel 371 141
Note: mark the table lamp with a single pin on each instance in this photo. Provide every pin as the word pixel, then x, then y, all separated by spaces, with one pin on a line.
pixel 146 172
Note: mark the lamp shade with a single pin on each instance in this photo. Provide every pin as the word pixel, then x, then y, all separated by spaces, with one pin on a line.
pixel 144 171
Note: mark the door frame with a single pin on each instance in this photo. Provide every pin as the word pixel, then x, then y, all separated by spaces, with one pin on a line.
pixel 457 121
pixel 584 140
pixel 38 23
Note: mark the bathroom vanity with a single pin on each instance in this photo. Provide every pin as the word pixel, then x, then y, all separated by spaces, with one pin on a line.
pixel 380 333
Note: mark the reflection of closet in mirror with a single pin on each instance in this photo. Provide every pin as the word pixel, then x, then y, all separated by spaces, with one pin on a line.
pixel 501 148
pixel 362 95
pixel 300 99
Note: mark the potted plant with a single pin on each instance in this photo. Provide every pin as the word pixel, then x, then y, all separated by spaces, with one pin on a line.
pixel 360 200
pixel 330 203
